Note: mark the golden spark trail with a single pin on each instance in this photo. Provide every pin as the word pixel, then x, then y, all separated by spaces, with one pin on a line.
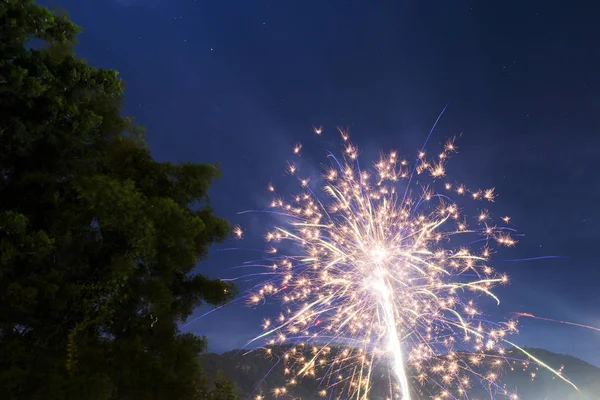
pixel 527 315
pixel 540 362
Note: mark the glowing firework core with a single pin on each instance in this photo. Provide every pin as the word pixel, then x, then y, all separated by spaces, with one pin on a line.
pixel 378 254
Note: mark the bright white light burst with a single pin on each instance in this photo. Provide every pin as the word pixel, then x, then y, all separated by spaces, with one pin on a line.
pixel 389 269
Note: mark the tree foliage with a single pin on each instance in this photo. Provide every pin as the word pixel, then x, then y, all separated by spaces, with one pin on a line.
pixel 224 388
pixel 98 241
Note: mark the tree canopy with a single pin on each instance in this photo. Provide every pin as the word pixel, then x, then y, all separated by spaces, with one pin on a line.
pixel 224 389
pixel 98 241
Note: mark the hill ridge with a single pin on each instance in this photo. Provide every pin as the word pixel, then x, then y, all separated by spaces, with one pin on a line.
pixel 251 369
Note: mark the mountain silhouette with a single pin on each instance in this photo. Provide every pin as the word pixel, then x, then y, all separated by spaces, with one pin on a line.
pixel 256 373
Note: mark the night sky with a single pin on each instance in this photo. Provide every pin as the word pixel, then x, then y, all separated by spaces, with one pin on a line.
pixel 238 82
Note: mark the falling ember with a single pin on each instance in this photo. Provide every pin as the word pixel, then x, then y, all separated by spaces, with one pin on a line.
pixel 381 272
pixel 297 148
pixel 238 232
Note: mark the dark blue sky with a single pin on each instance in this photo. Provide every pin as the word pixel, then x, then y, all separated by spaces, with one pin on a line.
pixel 239 82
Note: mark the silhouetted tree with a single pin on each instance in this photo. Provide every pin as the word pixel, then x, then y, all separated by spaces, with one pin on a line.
pixel 224 388
pixel 98 241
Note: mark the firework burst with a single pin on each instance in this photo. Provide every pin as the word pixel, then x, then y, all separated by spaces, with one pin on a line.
pixel 388 272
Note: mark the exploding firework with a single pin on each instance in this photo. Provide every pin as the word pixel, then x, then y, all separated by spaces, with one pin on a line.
pixel 386 270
